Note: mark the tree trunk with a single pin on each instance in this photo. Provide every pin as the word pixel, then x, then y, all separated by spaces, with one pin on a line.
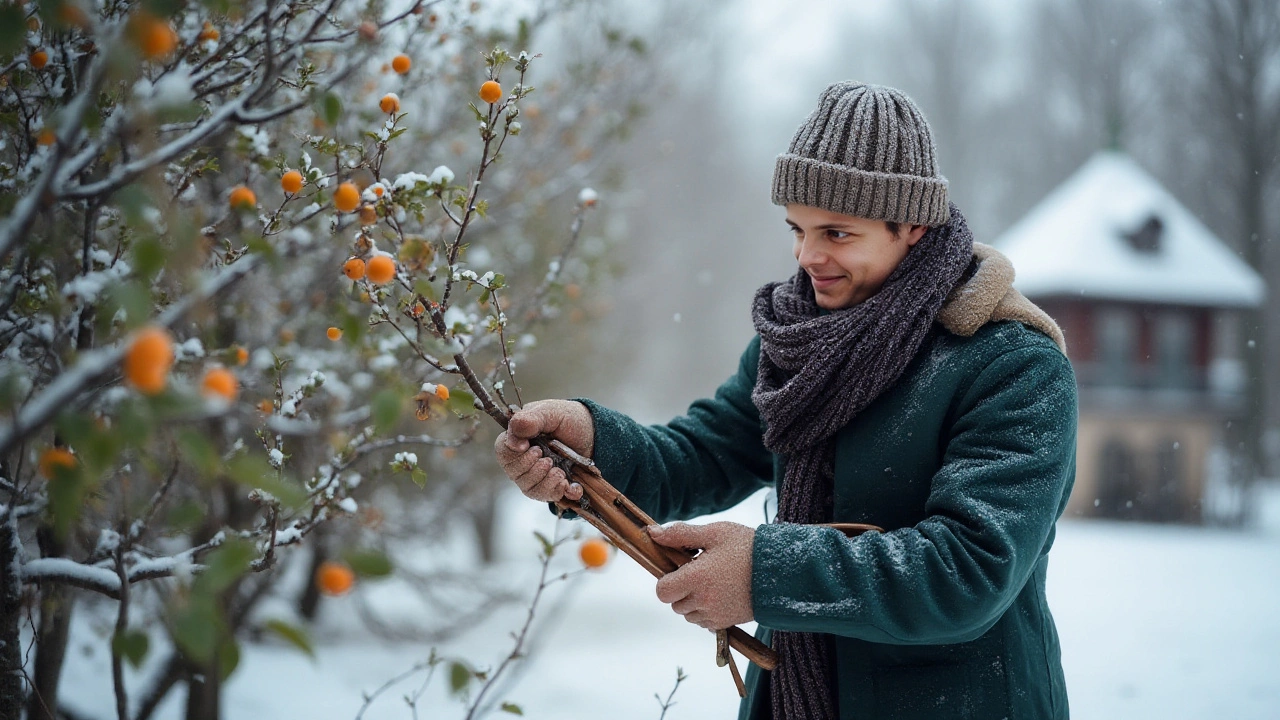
pixel 203 692
pixel 164 682
pixel 56 604
pixel 484 514
pixel 309 600
pixel 11 685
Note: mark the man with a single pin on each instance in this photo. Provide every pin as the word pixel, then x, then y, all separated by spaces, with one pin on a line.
pixel 896 380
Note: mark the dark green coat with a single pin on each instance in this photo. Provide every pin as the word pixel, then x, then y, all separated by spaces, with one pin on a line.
pixel 967 462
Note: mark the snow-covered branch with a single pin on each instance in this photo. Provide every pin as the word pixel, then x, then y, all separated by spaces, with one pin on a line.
pixel 92 365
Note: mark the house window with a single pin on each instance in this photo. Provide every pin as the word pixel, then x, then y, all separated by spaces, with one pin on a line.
pixel 1117 346
pixel 1119 487
pixel 1167 503
pixel 1174 348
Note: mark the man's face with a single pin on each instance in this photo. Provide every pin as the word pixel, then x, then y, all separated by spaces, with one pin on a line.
pixel 847 258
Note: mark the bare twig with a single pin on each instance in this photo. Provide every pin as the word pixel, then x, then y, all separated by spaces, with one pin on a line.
pixel 122 624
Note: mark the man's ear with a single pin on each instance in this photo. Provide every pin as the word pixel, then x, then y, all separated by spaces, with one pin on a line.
pixel 915 233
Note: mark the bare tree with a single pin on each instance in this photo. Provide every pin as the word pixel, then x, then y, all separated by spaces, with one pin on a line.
pixel 1226 122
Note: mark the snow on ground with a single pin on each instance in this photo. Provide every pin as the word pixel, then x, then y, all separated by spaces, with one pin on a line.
pixel 1155 622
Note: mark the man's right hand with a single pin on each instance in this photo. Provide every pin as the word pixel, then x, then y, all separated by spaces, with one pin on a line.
pixel 569 422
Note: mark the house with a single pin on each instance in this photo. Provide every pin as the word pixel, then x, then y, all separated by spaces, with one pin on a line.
pixel 1149 300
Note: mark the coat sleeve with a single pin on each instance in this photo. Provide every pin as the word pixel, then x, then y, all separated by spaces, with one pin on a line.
pixel 1006 473
pixel 707 460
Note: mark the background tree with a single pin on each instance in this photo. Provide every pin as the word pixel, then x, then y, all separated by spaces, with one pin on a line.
pixel 1223 117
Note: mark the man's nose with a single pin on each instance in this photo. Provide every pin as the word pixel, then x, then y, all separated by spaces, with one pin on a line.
pixel 810 253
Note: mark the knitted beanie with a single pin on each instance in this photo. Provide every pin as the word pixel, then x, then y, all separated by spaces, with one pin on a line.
pixel 865 151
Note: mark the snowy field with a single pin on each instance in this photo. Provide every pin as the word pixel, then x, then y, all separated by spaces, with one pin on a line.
pixel 1156 622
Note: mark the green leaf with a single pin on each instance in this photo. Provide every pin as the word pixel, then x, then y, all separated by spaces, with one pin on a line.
pixel 132 297
pixel 385 407
pixel 149 257
pixel 132 199
pixel 196 627
pixel 419 477
pixel 13 28
pixel 331 108
pixel 67 491
pixel 368 563
pixel 548 547
pixel 163 8
pixel 462 402
pixel 352 329
pixel 199 452
pixel 292 634
pixel 134 420
pixel 482 208
pixel 512 708
pixel 228 658
pixel 185 517
pixel 254 471
pixel 224 566
pixel 426 290
pixel 132 645
pixel 459 677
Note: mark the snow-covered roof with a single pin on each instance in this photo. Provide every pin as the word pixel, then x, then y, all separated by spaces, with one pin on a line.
pixel 1074 243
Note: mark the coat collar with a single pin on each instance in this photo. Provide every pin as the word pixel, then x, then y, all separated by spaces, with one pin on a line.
pixel 987 295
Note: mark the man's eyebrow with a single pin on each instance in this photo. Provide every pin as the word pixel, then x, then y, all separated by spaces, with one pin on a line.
pixel 825 226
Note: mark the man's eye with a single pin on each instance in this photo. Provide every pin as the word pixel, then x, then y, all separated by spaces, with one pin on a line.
pixel 837 235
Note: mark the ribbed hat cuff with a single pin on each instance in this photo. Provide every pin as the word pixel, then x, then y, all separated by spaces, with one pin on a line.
pixel 909 199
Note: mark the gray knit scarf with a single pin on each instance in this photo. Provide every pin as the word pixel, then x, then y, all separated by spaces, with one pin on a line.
pixel 818 371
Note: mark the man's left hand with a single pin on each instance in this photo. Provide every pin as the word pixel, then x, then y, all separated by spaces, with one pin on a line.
pixel 714 589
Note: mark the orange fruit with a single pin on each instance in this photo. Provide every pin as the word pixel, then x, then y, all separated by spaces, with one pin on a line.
pixel 353 268
pixel 208 32
pixel 442 392
pixel 38 59
pixel 148 360
pixel 46 137
pixel 490 91
pixel 333 333
pixel 242 198
pixel 69 14
pixel 594 552
pixel 54 459
pixel 401 64
pixel 381 269
pixel 242 355
pixel 291 182
pixel 390 103
pixel 378 190
pixel 346 197
pixel 368 215
pixel 154 37
pixel 266 407
pixel 219 382
pixel 416 309
pixel 334 578
pixel 368 31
